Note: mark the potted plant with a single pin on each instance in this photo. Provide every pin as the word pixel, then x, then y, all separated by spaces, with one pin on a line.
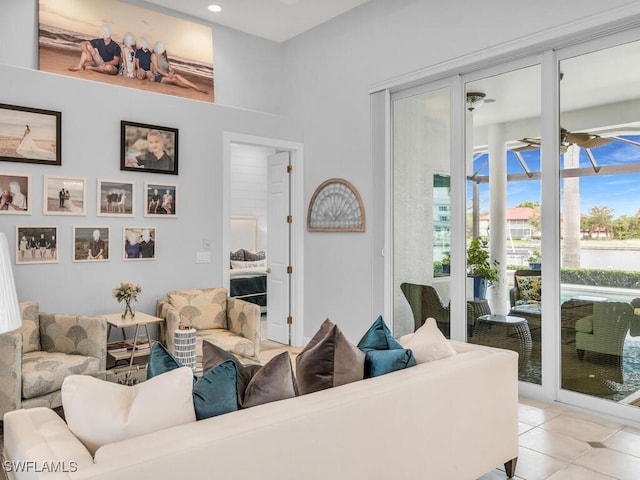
pixel 479 266
pixel 534 260
pixel 446 262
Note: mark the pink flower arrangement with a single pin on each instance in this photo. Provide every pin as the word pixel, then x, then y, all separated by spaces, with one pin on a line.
pixel 126 291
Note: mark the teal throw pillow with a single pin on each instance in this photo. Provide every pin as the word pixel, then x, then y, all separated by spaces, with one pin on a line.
pixel 383 353
pixel 213 394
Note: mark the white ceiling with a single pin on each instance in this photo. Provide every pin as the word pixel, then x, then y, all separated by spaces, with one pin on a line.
pixel 276 20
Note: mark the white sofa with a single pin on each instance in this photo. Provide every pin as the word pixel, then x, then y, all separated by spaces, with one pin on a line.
pixel 451 419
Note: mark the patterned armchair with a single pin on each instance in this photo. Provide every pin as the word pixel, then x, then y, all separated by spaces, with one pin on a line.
pixel 229 323
pixel 605 330
pixel 527 287
pixel 36 358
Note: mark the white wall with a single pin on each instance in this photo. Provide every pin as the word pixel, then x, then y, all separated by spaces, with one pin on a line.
pixel 328 72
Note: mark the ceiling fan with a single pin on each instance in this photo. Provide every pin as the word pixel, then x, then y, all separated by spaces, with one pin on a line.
pixel 567 138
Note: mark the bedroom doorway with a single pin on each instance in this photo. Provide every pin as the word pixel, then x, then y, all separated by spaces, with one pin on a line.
pixel 259 206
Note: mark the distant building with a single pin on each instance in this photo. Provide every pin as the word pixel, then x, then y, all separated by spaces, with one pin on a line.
pixel 518 225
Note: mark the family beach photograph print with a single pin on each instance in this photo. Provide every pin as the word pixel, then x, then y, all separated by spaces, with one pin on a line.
pixel 30 135
pixel 15 193
pixel 139 243
pixel 148 148
pixel 115 42
pixel 160 200
pixel 115 198
pixel 64 195
pixel 90 244
pixel 36 245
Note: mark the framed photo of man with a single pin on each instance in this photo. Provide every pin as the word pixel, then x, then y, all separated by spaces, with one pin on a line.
pixel 148 148
pixel 64 196
pixel 15 192
pixel 139 243
pixel 36 245
pixel 30 135
pixel 115 198
pixel 160 200
pixel 91 244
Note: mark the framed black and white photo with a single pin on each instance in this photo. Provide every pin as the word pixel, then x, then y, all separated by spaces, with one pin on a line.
pixel 30 135
pixel 91 244
pixel 160 200
pixel 36 245
pixel 64 195
pixel 148 148
pixel 139 243
pixel 15 193
pixel 115 198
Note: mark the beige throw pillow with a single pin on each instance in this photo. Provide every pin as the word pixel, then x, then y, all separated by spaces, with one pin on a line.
pixel 427 343
pixel 100 412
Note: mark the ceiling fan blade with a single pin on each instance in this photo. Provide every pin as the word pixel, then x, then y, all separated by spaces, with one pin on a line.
pixel 594 142
pixel 577 137
pixel 525 148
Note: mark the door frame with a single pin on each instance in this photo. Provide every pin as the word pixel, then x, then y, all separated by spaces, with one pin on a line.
pixel 298 211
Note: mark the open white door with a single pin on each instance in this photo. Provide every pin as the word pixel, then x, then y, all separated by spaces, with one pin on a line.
pixel 278 248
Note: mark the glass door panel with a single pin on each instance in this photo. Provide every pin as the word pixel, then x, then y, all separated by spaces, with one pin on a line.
pixel 600 225
pixel 421 209
pixel 503 215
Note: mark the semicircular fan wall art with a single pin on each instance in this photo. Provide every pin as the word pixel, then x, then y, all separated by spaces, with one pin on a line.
pixel 336 206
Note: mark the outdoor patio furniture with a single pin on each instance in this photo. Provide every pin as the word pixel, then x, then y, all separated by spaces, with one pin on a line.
pixel 517 294
pixel 605 330
pixel 425 303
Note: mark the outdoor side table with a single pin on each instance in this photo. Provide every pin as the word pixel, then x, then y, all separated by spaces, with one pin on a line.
pixel 509 325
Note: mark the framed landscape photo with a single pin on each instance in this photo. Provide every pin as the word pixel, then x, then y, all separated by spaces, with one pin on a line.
pixel 30 135
pixel 15 193
pixel 64 195
pixel 36 245
pixel 148 148
pixel 139 243
pixel 160 200
pixel 115 198
pixel 91 244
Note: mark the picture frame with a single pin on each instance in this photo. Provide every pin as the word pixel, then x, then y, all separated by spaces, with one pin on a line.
pixel 139 141
pixel 36 244
pixel 91 244
pixel 139 243
pixel 160 200
pixel 30 135
pixel 72 202
pixel 15 193
pixel 115 198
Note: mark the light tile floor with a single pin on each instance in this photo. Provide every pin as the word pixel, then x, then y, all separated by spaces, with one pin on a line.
pixel 555 445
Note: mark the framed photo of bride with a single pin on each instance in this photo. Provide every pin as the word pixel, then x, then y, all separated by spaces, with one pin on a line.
pixel 64 195
pixel 30 135
pixel 15 193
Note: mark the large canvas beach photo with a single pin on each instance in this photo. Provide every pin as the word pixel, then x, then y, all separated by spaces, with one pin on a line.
pixel 122 44
pixel 30 135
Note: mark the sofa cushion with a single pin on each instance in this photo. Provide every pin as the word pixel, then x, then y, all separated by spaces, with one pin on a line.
pixel 201 308
pixel 30 328
pixel 383 354
pixel 328 360
pixel 44 372
pixel 100 412
pixel 214 393
pixel 529 289
pixel 67 333
pixel 256 384
pixel 428 343
pixel 226 340
pixel 585 324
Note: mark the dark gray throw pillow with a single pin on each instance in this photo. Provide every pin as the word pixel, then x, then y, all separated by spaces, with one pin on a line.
pixel 255 384
pixel 328 360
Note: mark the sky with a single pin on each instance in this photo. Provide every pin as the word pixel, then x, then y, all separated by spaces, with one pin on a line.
pixel 620 192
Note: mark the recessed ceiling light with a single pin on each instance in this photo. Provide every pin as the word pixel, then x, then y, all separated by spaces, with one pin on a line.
pixel 215 8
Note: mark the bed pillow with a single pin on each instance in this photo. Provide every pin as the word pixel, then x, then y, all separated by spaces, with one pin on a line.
pixel 427 343
pixel 214 393
pixel 254 264
pixel 253 256
pixel 529 289
pixel 383 354
pixel 238 255
pixel 256 384
pixel 328 360
pixel 100 412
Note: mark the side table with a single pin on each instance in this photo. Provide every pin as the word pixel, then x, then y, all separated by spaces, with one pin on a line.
pixel 518 325
pixel 141 319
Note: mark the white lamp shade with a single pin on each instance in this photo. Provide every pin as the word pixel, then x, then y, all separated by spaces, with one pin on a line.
pixel 9 309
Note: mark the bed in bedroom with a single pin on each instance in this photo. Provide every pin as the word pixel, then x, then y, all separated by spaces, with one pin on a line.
pixel 248 274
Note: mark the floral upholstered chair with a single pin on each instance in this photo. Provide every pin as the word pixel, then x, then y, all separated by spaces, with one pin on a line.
pixel 37 357
pixel 527 287
pixel 229 323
